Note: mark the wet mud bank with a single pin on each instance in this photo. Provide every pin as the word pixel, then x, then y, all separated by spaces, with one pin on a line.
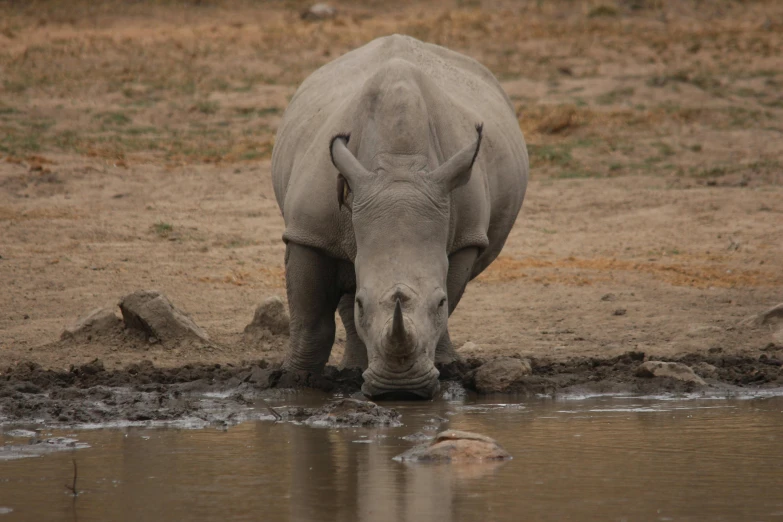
pixel 197 395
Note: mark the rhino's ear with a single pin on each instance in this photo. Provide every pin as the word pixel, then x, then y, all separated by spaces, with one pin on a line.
pixel 345 162
pixel 456 171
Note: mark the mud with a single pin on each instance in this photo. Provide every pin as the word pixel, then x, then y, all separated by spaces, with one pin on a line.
pixel 197 395
pixel 37 447
pixel 346 413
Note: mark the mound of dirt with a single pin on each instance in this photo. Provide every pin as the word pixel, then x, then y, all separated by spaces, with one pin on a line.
pixel 101 322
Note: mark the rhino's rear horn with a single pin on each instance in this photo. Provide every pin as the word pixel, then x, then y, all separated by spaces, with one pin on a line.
pixel 345 162
pixel 455 172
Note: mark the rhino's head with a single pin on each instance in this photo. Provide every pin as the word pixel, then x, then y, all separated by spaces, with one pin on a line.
pixel 400 214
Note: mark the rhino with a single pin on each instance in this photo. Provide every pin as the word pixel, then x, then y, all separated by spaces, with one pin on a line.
pixel 399 169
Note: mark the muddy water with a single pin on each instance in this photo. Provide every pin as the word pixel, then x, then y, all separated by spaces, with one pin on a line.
pixel 605 458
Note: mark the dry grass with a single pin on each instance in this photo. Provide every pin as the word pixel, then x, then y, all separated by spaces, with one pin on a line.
pixel 580 272
pixel 207 81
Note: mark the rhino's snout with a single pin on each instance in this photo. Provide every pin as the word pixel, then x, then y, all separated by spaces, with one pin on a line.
pixel 380 385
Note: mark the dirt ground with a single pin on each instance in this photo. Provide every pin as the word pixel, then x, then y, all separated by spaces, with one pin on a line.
pixel 135 140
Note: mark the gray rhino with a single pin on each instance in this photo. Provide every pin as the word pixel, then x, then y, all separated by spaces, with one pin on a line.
pixel 430 167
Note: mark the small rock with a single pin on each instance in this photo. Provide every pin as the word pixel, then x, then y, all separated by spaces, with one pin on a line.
pixel 672 370
pixel 619 311
pixel 270 315
pixel 151 313
pixel 608 297
pixel 101 321
pixel 320 11
pixel 456 446
pixel 498 374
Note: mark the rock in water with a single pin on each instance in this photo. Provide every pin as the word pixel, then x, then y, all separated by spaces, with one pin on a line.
pixel 499 374
pixel 270 315
pixel 456 446
pixel 101 321
pixel 672 370
pixel 151 313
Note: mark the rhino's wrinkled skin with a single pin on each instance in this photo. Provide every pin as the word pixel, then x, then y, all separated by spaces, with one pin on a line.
pixel 400 170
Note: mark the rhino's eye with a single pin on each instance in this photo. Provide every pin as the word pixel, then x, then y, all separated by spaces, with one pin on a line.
pixel 442 303
pixel 360 306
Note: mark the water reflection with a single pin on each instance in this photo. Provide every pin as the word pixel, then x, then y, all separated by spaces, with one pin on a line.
pixel 591 460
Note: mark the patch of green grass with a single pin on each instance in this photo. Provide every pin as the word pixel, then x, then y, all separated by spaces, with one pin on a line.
pixel 664 149
pixel 614 96
pixel 136 131
pixel 207 107
pixel 15 86
pixel 163 229
pixel 576 174
pixel 740 116
pixel 66 140
pixel 746 93
pixel 220 85
pixel 114 118
pixel 706 83
pixel 269 110
pixel 557 154
pixel 602 10
pixel 254 155
pixel 713 172
pixel 254 111
pixel 18 143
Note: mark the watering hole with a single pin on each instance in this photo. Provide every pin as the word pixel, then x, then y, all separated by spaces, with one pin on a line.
pixel 579 458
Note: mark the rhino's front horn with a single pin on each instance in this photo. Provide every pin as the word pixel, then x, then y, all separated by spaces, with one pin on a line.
pixel 398 326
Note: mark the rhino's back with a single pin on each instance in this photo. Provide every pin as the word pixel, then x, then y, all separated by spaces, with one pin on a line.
pixel 304 178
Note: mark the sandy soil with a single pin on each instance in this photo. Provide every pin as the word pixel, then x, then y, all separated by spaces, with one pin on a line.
pixel 134 154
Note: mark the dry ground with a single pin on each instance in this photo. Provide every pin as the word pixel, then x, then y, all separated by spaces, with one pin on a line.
pixel 134 153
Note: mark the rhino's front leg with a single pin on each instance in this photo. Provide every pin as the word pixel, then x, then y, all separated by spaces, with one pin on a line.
pixel 355 350
pixel 311 283
pixel 460 269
